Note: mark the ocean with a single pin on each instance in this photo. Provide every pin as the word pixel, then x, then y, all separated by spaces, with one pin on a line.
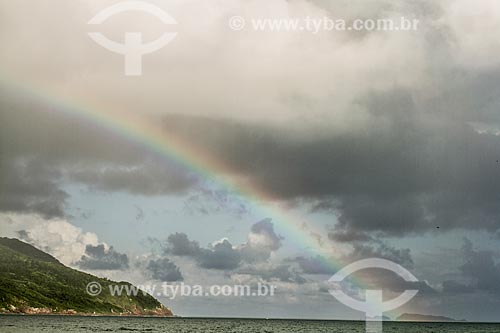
pixel 11 323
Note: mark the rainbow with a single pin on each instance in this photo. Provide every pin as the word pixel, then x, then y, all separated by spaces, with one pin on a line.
pixel 172 148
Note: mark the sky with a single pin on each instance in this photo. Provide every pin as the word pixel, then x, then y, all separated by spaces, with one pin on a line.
pixel 246 156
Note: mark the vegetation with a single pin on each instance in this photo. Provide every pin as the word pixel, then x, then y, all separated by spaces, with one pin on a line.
pixel 32 281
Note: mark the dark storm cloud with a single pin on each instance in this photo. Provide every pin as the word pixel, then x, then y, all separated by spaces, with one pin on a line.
pixel 359 250
pixel 150 177
pixel 164 270
pixel 347 235
pixel 395 284
pixel 453 287
pixel 265 228
pixel 422 163
pixel 420 166
pixel 28 186
pixel 41 147
pixel 221 255
pixel 380 249
pixel 98 257
pixel 261 243
pixel 480 268
pixel 479 272
pixel 30 126
pixel 424 167
pixel 178 244
pixel 381 278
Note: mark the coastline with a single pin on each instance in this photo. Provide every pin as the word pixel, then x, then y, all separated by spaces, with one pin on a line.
pixel 160 312
pixel 111 315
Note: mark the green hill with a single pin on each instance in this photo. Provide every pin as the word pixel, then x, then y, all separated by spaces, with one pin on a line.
pixel 32 281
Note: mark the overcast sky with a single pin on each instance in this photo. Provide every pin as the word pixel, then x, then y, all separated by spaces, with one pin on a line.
pixel 384 143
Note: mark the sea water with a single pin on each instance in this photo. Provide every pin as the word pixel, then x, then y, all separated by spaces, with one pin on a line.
pixel 15 323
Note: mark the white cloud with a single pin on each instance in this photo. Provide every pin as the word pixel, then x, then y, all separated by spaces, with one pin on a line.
pixel 57 237
pixel 288 76
pixel 475 27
